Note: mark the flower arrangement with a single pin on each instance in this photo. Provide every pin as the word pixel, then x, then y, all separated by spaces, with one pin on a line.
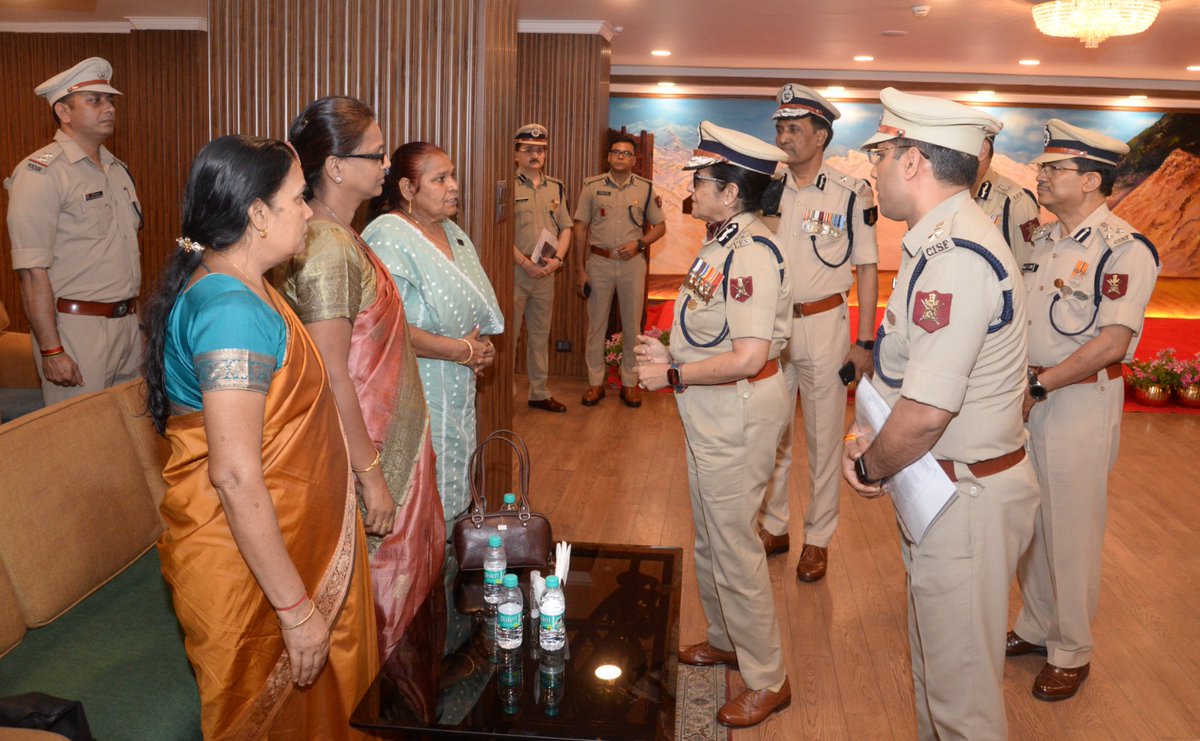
pixel 1164 370
pixel 1189 371
pixel 614 346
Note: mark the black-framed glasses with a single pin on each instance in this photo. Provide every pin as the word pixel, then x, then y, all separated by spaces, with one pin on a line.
pixel 621 153
pixel 1051 169
pixel 697 178
pixel 531 149
pixel 377 156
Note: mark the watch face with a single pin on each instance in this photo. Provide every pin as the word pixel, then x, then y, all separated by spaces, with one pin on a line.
pixel 1037 391
pixel 673 376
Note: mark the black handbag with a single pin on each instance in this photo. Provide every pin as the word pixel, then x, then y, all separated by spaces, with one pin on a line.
pixel 526 534
pixel 38 711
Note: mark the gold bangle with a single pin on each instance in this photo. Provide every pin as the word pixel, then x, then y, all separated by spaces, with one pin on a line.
pixel 470 351
pixel 372 467
pixel 312 609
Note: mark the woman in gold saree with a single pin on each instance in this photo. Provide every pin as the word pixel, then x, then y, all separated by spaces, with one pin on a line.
pixel 264 547
pixel 352 309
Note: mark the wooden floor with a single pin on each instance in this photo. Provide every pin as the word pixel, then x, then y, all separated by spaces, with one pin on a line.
pixel 612 474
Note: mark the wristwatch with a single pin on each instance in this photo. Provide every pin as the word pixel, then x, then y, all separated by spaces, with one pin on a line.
pixel 675 378
pixel 641 244
pixel 860 470
pixel 1036 389
pixel 866 344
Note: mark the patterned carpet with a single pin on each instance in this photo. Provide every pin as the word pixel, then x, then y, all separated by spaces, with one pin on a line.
pixel 701 693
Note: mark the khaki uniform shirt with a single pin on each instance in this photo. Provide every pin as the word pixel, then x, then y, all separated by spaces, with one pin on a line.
pixel 1060 323
pixel 78 220
pixel 825 228
pixel 934 345
pixel 615 213
pixel 1012 209
pixel 543 207
pixel 756 301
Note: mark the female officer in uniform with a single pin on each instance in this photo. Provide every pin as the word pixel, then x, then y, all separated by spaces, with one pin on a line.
pixel 732 319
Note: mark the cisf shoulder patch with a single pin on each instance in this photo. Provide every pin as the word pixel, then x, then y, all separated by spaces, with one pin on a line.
pixel 1115 285
pixel 931 310
pixel 741 289
pixel 1029 228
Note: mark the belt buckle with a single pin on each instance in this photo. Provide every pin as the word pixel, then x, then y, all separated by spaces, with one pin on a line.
pixel 120 309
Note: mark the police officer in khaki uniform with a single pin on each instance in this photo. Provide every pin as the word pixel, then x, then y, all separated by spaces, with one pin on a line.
pixel 732 319
pixel 1088 283
pixel 950 361
pixel 827 231
pixel 540 206
pixel 1013 209
pixel 73 217
pixel 608 221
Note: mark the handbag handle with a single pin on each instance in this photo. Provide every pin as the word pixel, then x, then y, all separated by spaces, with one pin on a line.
pixel 478 475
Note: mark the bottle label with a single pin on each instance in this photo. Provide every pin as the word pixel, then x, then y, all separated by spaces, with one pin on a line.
pixel 508 621
pixel 551 623
pixel 493 576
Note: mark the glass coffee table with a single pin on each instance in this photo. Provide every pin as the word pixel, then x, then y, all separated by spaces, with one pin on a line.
pixel 615 678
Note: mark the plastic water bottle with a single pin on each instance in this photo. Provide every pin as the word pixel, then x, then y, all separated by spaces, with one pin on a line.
pixel 494 564
pixel 552 633
pixel 512 677
pixel 550 680
pixel 509 623
pixel 510 502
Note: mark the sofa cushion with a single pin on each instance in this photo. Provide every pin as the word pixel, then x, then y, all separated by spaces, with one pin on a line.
pixel 120 652
pixel 12 623
pixel 75 506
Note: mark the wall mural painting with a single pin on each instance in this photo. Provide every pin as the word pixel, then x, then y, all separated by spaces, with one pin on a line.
pixel 1158 189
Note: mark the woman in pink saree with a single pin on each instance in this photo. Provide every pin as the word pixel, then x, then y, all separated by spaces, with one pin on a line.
pixel 352 310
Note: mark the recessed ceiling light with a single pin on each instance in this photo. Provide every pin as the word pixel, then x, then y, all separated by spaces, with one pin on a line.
pixel 985 93
pixel 666 84
pixel 1193 68
pixel 660 53
pixel 835 90
pixel 1029 62
pixel 864 58
pixel 1137 97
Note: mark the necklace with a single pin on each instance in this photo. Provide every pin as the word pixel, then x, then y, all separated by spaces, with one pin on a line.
pixel 332 213
pixel 249 281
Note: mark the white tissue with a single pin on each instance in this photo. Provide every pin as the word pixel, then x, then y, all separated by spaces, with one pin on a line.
pixel 538 584
pixel 562 561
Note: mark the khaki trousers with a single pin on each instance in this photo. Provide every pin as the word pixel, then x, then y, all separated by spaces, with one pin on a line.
pixel 730 434
pixel 108 352
pixel 626 278
pixel 811 361
pixel 533 303
pixel 958 584
pixel 1074 436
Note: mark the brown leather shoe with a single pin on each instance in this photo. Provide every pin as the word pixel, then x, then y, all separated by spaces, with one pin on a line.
pixel 549 404
pixel 753 706
pixel 1055 683
pixel 1015 645
pixel 705 654
pixel 812 563
pixel 592 396
pixel 632 396
pixel 772 543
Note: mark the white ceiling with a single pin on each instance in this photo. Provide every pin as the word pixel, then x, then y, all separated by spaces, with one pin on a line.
pixel 750 46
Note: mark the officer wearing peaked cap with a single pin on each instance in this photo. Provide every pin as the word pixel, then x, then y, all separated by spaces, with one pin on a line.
pixel 1012 208
pixel 1087 282
pixel 826 228
pixel 540 206
pixel 733 316
pixel 950 361
pixel 73 218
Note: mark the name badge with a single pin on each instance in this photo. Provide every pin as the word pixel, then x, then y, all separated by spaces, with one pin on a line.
pixel 94 196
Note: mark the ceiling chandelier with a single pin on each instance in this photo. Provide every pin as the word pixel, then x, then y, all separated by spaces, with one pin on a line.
pixel 1093 21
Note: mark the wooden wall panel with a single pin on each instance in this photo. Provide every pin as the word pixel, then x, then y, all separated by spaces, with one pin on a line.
pixel 161 123
pixel 562 83
pixel 442 71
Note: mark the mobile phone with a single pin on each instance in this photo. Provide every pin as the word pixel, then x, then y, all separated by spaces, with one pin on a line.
pixel 846 373
pixel 587 289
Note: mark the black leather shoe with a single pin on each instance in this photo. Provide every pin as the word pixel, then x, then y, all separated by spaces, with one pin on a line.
pixel 549 405
pixel 1015 645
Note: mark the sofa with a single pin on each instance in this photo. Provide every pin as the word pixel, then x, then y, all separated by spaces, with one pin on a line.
pixel 84 611
pixel 20 387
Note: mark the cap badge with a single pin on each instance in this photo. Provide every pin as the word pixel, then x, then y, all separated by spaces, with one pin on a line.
pixel 786 95
pixel 1046 136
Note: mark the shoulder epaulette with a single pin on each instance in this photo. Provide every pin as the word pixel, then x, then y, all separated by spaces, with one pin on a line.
pixel 1113 235
pixel 40 160
pixel 595 178
pixel 939 241
pixel 1042 231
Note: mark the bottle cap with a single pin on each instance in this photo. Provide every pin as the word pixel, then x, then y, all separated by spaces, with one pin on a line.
pixel 510 580
pixel 494 541
pixel 510 498
pixel 551 582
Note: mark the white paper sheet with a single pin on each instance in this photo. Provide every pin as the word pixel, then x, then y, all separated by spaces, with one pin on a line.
pixel 921 491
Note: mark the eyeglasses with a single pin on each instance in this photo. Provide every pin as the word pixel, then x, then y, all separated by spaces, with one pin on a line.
pixel 531 150
pixel 697 177
pixel 876 154
pixel 1053 169
pixel 377 156
pixel 621 153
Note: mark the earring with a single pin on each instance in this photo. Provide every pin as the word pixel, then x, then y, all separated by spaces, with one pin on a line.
pixel 338 181
pixel 262 233
pixel 410 208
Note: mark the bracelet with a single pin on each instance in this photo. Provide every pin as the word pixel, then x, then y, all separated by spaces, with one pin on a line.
pixel 312 609
pixel 298 603
pixel 470 350
pixel 372 467
pixel 53 351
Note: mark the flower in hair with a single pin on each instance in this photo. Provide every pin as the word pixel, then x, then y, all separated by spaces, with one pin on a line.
pixel 186 243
